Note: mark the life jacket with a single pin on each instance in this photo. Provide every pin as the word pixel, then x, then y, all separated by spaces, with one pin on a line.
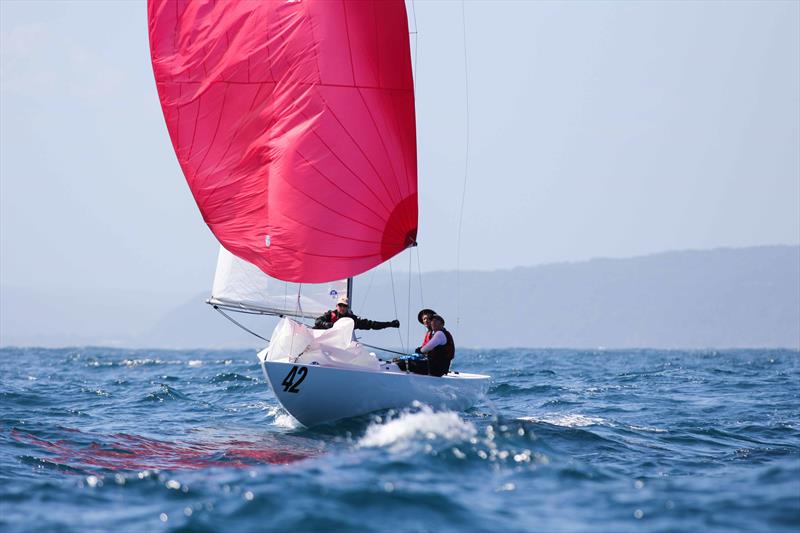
pixel 428 335
pixel 439 358
pixel 336 316
pixel 448 350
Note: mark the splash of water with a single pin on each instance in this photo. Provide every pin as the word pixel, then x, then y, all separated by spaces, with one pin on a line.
pixel 399 433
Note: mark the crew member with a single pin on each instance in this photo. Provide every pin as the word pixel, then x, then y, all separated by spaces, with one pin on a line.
pixel 424 317
pixel 342 310
pixel 433 357
pixel 440 349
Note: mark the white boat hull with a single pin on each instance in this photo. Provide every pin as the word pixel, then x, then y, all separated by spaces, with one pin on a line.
pixel 315 394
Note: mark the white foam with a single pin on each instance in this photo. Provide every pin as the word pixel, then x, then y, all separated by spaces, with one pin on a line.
pixel 648 429
pixel 281 418
pixel 400 432
pixel 572 420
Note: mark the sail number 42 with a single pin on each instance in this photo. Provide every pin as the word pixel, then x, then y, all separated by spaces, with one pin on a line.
pixel 289 383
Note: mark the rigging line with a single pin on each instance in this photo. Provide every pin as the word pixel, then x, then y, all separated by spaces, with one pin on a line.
pixel 366 293
pixel 414 33
pixel 419 274
pixel 382 349
pixel 408 303
pixel 223 313
pixel 466 169
pixel 394 299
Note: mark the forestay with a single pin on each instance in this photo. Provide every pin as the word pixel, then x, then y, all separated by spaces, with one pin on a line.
pixel 241 286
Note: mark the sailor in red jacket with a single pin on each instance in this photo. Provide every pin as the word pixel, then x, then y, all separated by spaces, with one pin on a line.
pixel 434 355
pixel 440 349
pixel 424 317
pixel 327 320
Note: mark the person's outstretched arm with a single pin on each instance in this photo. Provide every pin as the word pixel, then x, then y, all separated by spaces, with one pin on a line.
pixel 363 323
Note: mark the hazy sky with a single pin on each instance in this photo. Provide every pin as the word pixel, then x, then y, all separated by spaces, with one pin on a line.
pixel 596 129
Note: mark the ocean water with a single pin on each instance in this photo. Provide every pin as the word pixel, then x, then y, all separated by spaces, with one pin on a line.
pixel 97 439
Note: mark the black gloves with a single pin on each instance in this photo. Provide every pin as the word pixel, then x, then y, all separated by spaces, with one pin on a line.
pixel 394 324
pixel 418 350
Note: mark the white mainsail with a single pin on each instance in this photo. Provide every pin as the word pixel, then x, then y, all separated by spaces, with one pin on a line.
pixel 241 286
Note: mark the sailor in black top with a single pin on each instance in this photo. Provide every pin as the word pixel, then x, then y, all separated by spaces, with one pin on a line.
pixel 440 350
pixel 327 320
pixel 437 352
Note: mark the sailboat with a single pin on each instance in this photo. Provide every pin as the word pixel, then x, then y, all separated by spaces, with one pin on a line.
pixel 294 125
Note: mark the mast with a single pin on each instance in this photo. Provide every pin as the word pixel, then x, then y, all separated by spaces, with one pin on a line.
pixel 350 292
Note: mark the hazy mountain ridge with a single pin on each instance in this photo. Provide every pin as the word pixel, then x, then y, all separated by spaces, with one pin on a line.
pixel 748 297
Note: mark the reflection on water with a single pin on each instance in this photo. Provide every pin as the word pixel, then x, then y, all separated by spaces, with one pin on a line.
pixel 121 451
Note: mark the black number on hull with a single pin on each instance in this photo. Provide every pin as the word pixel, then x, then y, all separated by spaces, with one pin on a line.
pixel 289 385
pixel 287 381
pixel 301 373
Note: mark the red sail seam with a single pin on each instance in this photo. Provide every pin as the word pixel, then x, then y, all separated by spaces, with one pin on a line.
pixel 177 120
pixel 230 143
pixel 366 157
pixel 329 256
pixel 301 191
pixel 269 52
pixel 332 182
pixel 377 49
pixel 309 226
pixel 360 149
pixel 375 66
pixel 178 19
pixel 194 132
pixel 349 44
pixel 400 139
pixel 307 19
pixel 383 144
pixel 300 83
pixel 214 137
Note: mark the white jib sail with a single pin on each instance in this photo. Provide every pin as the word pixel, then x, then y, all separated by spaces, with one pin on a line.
pixel 241 286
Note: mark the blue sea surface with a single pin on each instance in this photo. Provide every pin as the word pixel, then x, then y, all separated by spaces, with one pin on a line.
pixel 102 439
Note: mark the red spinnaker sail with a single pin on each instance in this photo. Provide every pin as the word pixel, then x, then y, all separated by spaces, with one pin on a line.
pixel 293 122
